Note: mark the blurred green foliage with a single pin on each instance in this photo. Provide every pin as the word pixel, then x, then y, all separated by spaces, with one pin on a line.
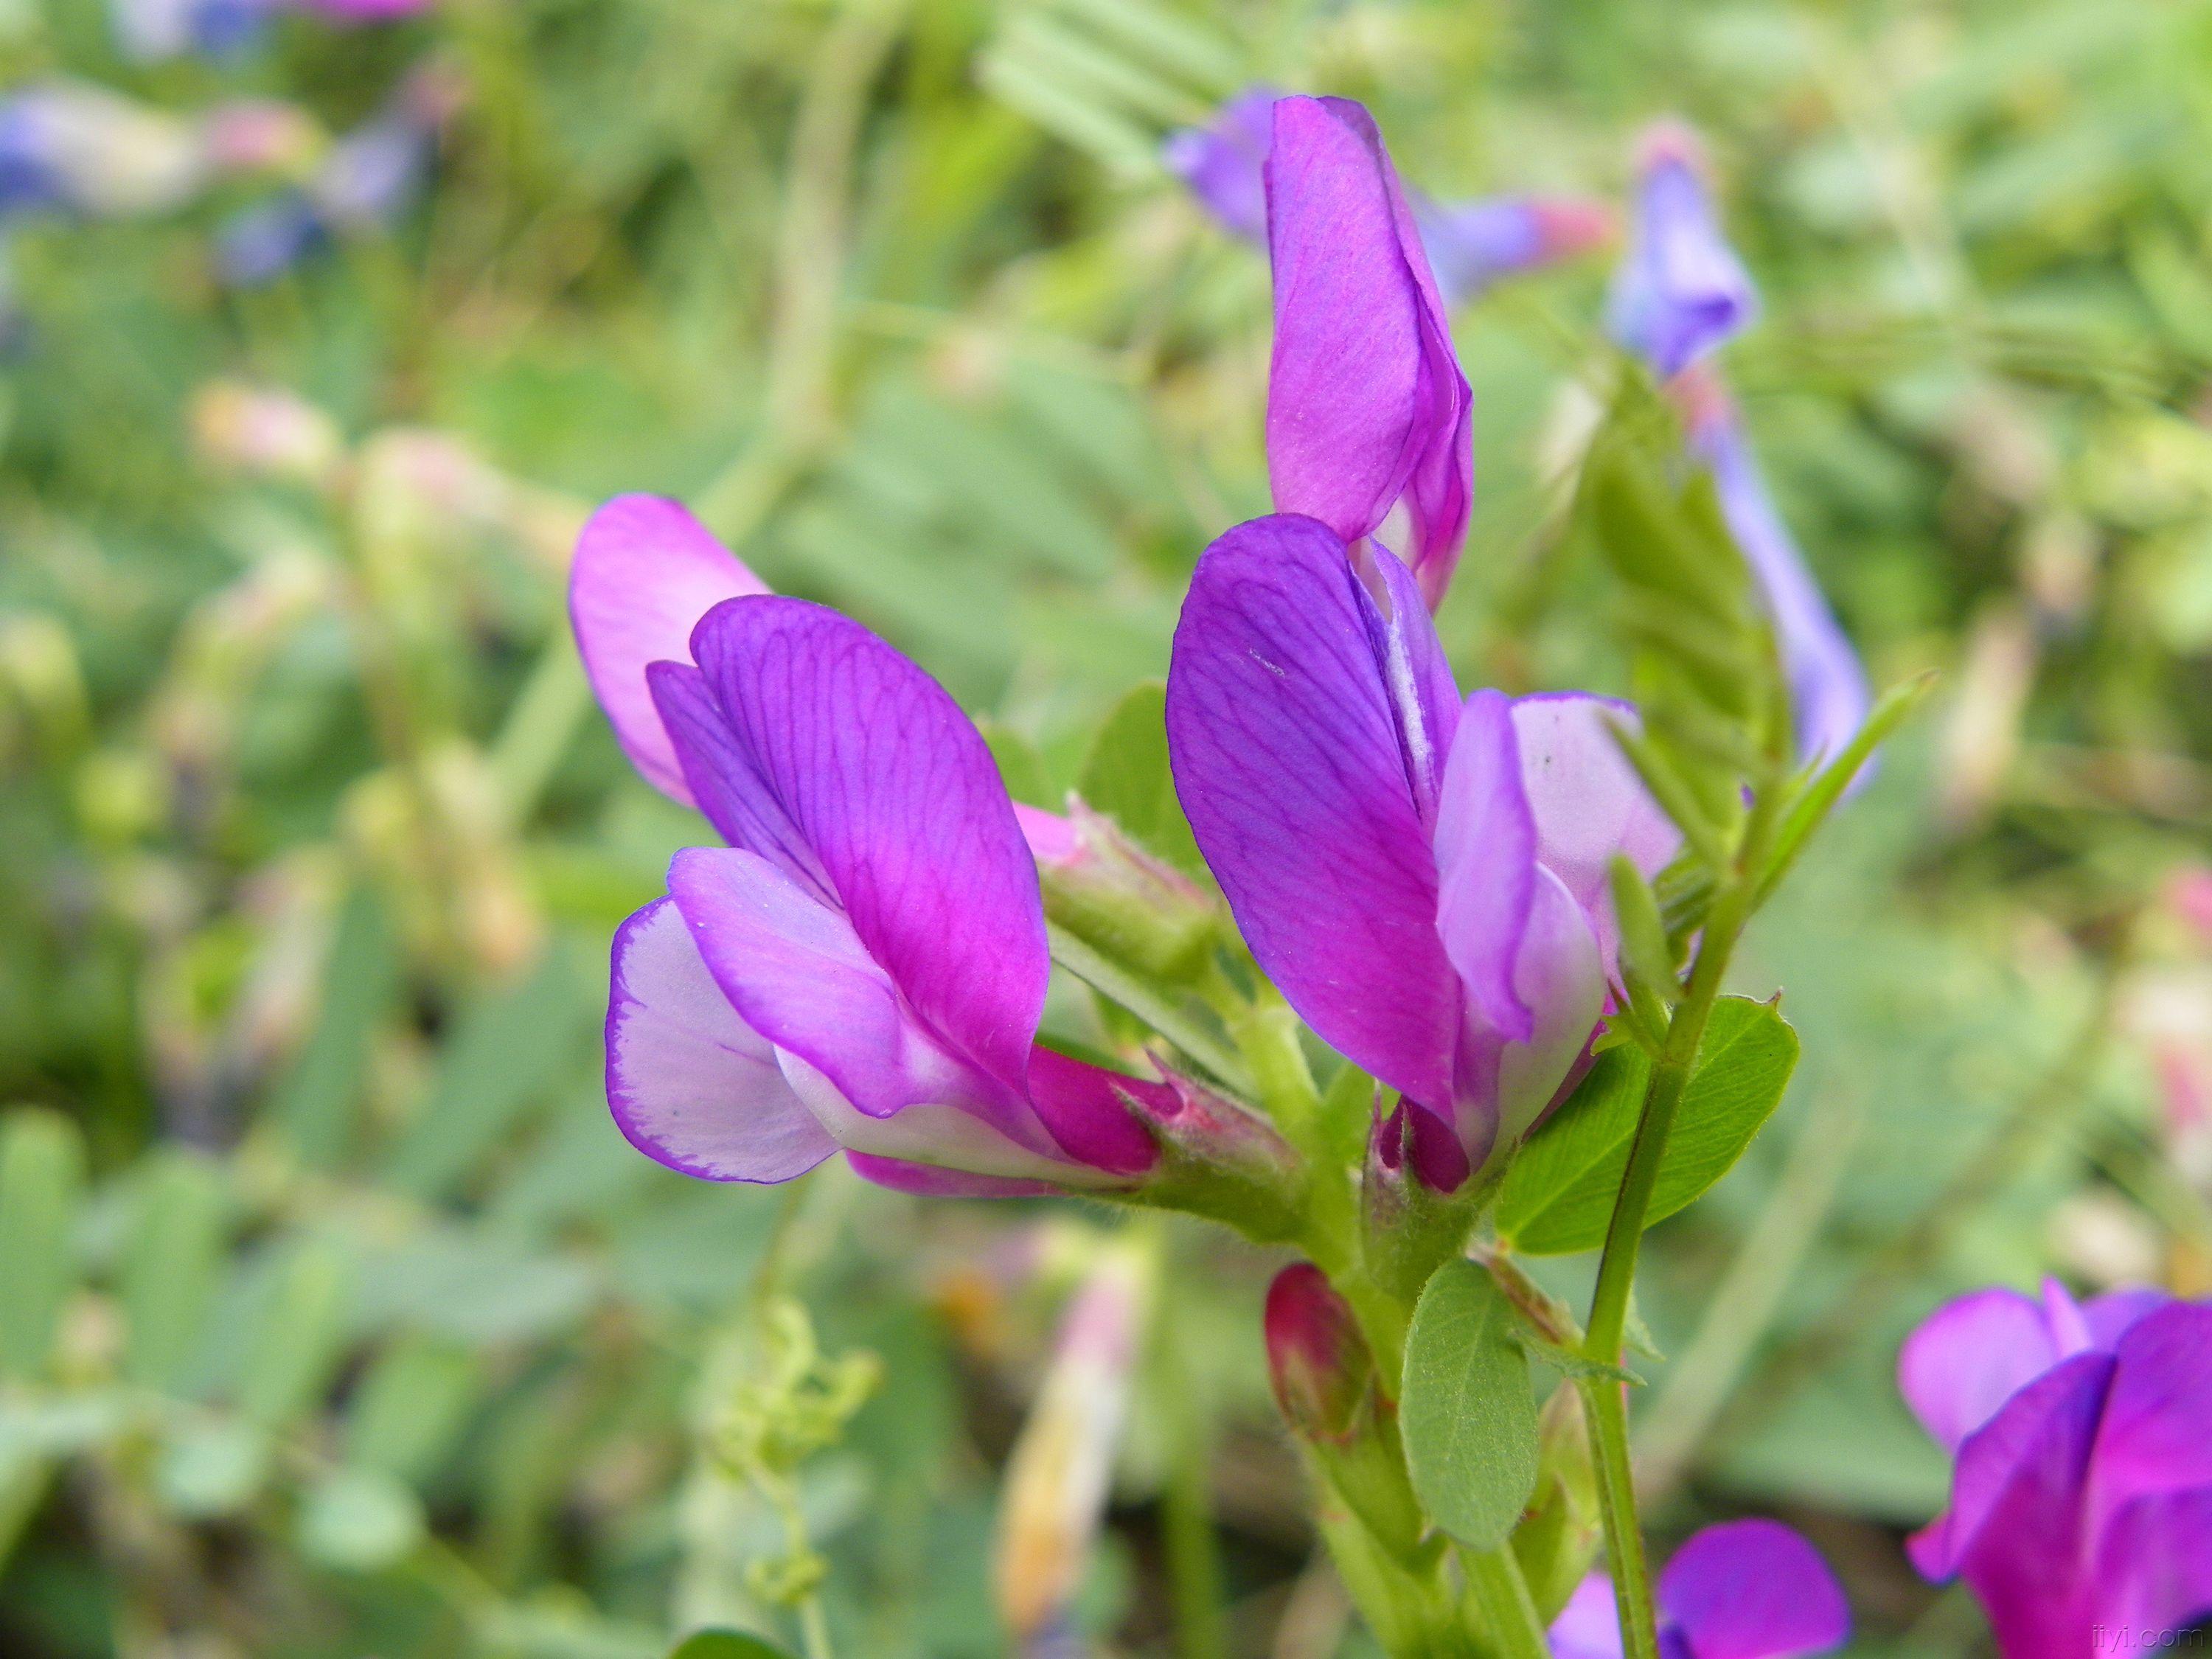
pixel 335 1316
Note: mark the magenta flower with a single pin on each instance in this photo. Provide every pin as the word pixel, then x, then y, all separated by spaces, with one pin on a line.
pixel 2081 1490
pixel 863 966
pixel 1681 290
pixel 1746 1589
pixel 1470 244
pixel 1368 414
pixel 1426 882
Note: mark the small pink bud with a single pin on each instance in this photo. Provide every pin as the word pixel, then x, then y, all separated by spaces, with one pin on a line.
pixel 1317 1360
pixel 1568 225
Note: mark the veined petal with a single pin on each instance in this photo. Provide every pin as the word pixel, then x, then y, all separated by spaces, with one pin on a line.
pixel 1288 759
pixel 894 791
pixel 645 572
pixel 724 782
pixel 1366 404
pixel 1485 841
pixel 1588 803
pixel 1957 1369
pixel 691 1084
pixel 1753 1589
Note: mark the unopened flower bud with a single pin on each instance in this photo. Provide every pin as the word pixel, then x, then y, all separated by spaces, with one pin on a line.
pixel 265 432
pixel 1419 1206
pixel 1317 1361
pixel 1115 897
pixel 1217 1159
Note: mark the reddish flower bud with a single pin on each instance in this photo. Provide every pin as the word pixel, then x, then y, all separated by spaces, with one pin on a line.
pixel 1317 1360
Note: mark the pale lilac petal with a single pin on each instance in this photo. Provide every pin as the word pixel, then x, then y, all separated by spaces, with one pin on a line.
pixel 645 572
pixel 2111 1315
pixel 1829 696
pixel 1366 404
pixel 1082 1106
pixel 960 1130
pixel 1485 847
pixel 1971 1356
pixel 1502 1087
pixel 896 793
pixel 1588 803
pixel 2016 1525
pixel 1289 762
pixel 1223 163
pixel 928 1180
pixel 2156 1436
pixel 796 973
pixel 1681 290
pixel 1588 1626
pixel 691 1084
pixel 2154 1568
pixel 1753 1589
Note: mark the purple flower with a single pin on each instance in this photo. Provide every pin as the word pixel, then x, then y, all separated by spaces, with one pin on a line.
pixel 2081 1489
pixel 1426 882
pixel 153 29
pixel 1368 414
pixel 1681 290
pixel 1828 693
pixel 1223 164
pixel 67 147
pixel 1470 244
pixel 1746 1589
pixel 368 178
pixel 863 966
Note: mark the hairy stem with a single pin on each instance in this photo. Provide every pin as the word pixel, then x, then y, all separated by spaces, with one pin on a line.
pixel 1500 1592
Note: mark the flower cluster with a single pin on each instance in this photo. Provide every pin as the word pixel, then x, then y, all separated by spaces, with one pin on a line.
pixel 1456 892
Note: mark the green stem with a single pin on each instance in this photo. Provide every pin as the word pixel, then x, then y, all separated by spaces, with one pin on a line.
pixel 1616 1275
pixel 1118 986
pixel 1508 1612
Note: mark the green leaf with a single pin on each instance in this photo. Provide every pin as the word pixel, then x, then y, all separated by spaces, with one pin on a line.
pixel 1467 1413
pixel 316 1106
pixel 298 1333
pixel 172 1266
pixel 1558 1194
pixel 41 1191
pixel 726 1644
pixel 1126 776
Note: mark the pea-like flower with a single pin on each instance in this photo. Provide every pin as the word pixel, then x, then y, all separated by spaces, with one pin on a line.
pixel 2082 1484
pixel 863 967
pixel 1746 1590
pixel 1680 290
pixel 1424 879
pixel 1470 244
pixel 1368 415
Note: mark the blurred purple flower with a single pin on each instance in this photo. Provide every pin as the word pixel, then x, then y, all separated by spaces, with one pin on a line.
pixel 67 147
pixel 152 29
pixel 1828 691
pixel 1427 883
pixel 368 178
pixel 1746 1589
pixel 2081 1488
pixel 1369 426
pixel 1680 290
pixel 863 966
pixel 1224 163
pixel 1470 244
